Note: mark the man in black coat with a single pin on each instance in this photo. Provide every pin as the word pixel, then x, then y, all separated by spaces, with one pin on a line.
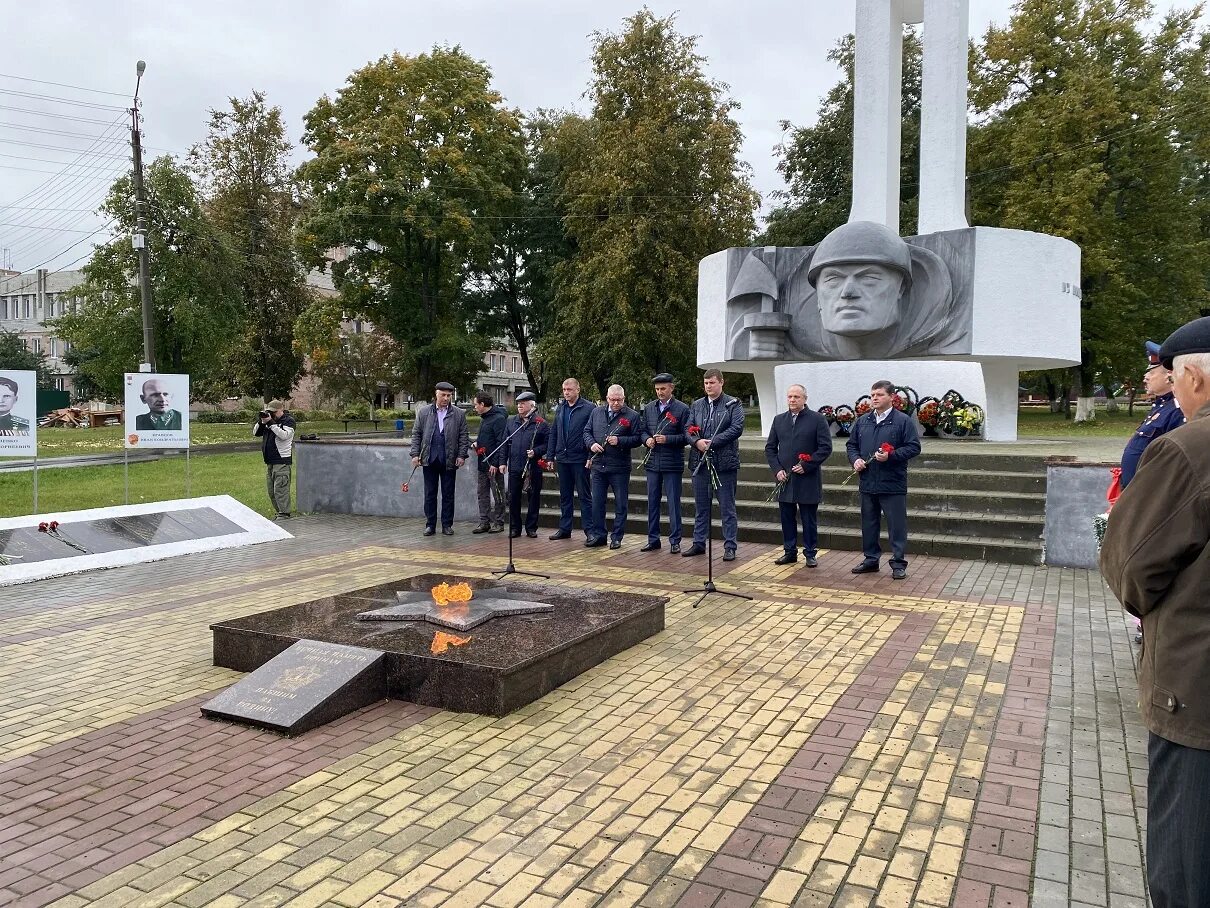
pixel 663 435
pixel 798 444
pixel 611 433
pixel 716 422
pixel 567 452
pixel 441 442
pixel 490 454
pixel 525 448
pixel 880 446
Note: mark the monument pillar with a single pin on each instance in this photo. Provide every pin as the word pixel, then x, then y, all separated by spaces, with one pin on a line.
pixel 943 116
pixel 877 115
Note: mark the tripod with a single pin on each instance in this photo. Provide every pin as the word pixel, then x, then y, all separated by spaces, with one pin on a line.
pixel 511 568
pixel 708 585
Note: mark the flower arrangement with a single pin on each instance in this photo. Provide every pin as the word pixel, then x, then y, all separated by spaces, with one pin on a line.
pixel 828 414
pixel 668 420
pixel 863 406
pixel 905 399
pixel 781 483
pixel 623 423
pixel 844 416
pixel 52 529
pixel 928 412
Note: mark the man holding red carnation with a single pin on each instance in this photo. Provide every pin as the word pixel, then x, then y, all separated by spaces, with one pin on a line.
pixel 663 434
pixel 880 445
pixel 798 444
pixel 612 431
pixel 490 453
pixel 528 434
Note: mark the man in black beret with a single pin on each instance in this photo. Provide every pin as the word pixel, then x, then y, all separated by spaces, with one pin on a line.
pixel 440 444
pixel 663 435
pixel 1156 559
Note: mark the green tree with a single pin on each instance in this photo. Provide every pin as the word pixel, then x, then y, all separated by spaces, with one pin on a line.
pixel 1092 128
pixel 652 184
pixel 244 171
pixel 359 367
pixel 15 356
pixel 817 161
pixel 198 305
pixel 416 161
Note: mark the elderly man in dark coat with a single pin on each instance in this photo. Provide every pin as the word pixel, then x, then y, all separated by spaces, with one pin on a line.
pixel 527 434
pixel 799 442
pixel 441 442
pixel 612 431
pixel 664 437
pixel 1156 559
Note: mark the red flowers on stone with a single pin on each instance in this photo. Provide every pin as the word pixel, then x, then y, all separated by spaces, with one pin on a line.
pixel 43 527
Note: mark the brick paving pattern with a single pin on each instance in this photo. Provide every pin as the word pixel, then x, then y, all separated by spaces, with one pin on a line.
pixel 965 737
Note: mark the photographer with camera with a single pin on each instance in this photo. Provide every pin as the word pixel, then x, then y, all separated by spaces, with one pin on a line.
pixel 275 428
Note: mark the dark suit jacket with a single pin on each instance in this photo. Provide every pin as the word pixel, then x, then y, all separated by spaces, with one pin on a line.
pixel 899 431
pixel 457 435
pixel 670 456
pixel 788 438
pixel 615 458
pixel 723 430
pixel 143 423
pixel 532 436
pixel 569 446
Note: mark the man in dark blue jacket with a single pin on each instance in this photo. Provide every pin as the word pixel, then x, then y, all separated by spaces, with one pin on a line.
pixel 567 452
pixel 1163 417
pixel 663 434
pixel 527 445
pixel 490 458
pixel 880 445
pixel 611 433
pixel 799 442
pixel 716 422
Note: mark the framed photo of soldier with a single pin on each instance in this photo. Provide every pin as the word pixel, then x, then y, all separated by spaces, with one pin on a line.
pixel 18 413
pixel 157 410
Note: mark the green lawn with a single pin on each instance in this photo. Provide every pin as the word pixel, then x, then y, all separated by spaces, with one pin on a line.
pixel 1039 421
pixel 241 475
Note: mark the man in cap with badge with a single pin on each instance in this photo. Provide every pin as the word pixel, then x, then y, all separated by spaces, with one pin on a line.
pixel 1156 559
pixel 527 433
pixel 1163 417
pixel 663 435
pixel 440 445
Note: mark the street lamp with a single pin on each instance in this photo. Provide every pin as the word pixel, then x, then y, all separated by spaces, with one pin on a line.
pixel 139 239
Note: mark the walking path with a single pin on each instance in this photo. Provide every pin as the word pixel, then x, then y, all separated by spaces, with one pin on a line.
pixel 966 737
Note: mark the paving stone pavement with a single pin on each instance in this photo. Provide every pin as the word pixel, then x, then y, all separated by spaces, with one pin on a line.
pixel 966 737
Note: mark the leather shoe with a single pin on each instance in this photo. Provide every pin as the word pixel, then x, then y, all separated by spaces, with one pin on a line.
pixel 787 558
pixel 595 543
pixel 532 534
pixel 866 568
pixel 675 548
pixel 429 531
pixel 447 531
pixel 513 534
pixel 728 554
pixel 561 534
pixel 812 561
pixel 899 574
pixel 615 543
pixel 482 528
pixel 497 528
pixel 693 550
pixel 650 547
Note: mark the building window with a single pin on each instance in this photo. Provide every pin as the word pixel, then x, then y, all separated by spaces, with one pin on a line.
pixel 54 347
pixel 26 300
pixel 37 345
pixel 3 307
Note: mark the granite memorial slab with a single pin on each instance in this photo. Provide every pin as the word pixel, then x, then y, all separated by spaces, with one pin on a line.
pixel 307 685
pixel 203 522
pixel 26 545
pixel 419 605
pixel 508 661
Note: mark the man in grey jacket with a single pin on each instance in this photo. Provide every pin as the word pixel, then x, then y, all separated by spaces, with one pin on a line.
pixel 440 445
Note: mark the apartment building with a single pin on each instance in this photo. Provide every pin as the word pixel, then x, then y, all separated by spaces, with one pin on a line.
pixel 29 300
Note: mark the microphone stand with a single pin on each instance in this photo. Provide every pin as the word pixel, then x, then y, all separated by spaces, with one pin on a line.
pixel 511 568
pixel 708 586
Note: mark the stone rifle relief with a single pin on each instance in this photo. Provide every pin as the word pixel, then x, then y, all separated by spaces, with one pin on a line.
pixel 862 293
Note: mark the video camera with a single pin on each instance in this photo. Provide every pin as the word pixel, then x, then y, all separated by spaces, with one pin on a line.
pixel 266 414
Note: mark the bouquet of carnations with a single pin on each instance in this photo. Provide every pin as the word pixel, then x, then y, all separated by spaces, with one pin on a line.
pixel 669 420
pixel 885 448
pixel 775 495
pixel 623 423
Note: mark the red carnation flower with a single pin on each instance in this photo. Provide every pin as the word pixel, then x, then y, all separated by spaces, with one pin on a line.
pixel 886 447
pixel 624 422
pixel 543 464
pixel 480 451
pixel 54 524
pixel 671 419
pixel 42 528
pixel 539 420
pixel 804 457
pixel 405 486
pixel 694 430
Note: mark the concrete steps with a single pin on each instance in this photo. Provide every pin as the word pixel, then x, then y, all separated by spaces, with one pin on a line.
pixel 961 504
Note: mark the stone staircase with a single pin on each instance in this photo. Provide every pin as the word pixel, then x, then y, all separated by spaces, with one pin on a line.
pixel 961 504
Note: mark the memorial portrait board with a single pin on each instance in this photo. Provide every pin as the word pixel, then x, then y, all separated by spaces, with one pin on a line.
pixel 18 413
pixel 157 410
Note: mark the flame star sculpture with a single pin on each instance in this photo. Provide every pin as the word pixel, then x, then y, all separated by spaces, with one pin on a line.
pixel 458 616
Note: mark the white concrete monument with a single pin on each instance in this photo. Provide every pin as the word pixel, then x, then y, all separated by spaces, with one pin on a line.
pixel 955 307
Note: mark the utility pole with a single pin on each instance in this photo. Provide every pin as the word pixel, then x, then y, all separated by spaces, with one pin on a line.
pixel 140 230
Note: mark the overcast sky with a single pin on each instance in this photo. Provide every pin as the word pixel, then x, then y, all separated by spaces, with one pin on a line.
pixel 772 54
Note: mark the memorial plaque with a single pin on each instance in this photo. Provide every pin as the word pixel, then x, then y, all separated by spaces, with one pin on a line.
pixel 305 686
pixel 201 523
pixel 152 529
pixel 26 545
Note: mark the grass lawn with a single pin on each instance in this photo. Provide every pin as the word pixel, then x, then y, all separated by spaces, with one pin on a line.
pixel 241 475
pixel 1039 421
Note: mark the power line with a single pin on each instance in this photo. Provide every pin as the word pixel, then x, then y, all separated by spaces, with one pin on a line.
pixel 51 172
pixel 95 91
pixel 92 105
pixel 29 284
pixel 53 132
pixel 18 157
pixel 58 116
pixel 96 154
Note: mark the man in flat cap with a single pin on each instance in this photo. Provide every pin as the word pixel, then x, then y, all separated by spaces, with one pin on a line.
pixel 1156 559
pixel 1163 417
pixel 440 444
pixel 662 434
pixel 527 434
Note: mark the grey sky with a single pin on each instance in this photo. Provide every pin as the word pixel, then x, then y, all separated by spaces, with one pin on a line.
pixel 772 54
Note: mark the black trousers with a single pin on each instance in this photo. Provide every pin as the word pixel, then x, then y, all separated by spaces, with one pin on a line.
pixel 516 493
pixel 437 476
pixel 790 512
pixel 1178 824
pixel 873 506
pixel 574 481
